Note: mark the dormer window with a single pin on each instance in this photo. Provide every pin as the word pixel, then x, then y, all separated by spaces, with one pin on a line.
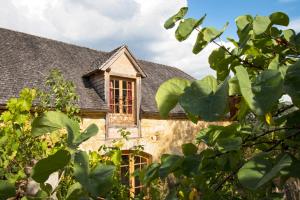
pixel 121 96
pixel 122 101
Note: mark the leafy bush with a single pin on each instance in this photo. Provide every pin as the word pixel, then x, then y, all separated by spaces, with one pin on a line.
pixel 257 154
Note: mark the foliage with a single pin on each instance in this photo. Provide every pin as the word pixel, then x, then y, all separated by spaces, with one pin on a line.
pixel 254 156
pixel 59 94
pixel 19 150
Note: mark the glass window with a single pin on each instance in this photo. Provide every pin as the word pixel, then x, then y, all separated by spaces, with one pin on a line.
pixel 131 161
pixel 121 96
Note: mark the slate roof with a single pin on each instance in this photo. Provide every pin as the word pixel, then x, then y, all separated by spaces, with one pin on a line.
pixel 25 61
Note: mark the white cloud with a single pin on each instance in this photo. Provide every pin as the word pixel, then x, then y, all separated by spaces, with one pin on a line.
pixel 105 25
pixel 295 24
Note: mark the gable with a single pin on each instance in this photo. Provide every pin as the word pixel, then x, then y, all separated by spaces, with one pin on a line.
pixel 123 66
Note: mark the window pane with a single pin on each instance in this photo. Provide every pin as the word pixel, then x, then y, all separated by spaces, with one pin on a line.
pixel 111 84
pixel 137 159
pixel 137 191
pixel 143 160
pixel 125 100
pixel 125 160
pixel 129 109
pixel 117 96
pixel 125 175
pixel 129 85
pixel 116 83
pixel 129 97
pixel 137 181
pixel 125 85
pixel 124 109
pixel 117 108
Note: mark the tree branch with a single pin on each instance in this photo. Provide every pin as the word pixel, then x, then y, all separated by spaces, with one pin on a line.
pixel 244 62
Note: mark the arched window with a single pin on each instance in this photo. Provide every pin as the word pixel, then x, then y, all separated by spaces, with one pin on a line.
pixel 132 161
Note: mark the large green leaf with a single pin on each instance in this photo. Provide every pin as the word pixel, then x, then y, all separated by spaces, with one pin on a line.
pixel 170 23
pixel 219 60
pixel 45 167
pixel 289 35
pixel 292 82
pixel 151 173
pixel 189 149
pixel 186 27
pixel 81 168
pixel 168 94
pixel 101 179
pixel 7 189
pixel 169 163
pixel 205 36
pixel 260 170
pixel 234 87
pixel 279 18
pixel 75 192
pixel 243 21
pixel 261 24
pixel 205 99
pixel 52 121
pixel 97 181
pixel 263 93
pixel 89 132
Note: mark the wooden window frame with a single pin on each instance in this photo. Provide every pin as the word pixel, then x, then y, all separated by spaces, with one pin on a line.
pixel 132 155
pixel 122 118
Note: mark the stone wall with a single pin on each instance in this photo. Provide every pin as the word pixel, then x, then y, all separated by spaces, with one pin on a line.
pixel 158 136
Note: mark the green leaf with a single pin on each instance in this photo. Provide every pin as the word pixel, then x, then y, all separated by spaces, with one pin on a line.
pixel 292 82
pixel 89 132
pixel 274 64
pixel 263 93
pixel 205 36
pixel 234 87
pixel 212 133
pixel 74 192
pixel 151 173
pixel 45 167
pixel 219 60
pixel 260 170
pixel 170 23
pixel 7 190
pixel 53 121
pixel 289 35
pixel 243 21
pixel 169 163
pixel 261 24
pixel 279 18
pixel 101 179
pixel 97 181
pixel 186 27
pixel 168 94
pixel 81 168
pixel 229 144
pixel 205 99
pixel 189 149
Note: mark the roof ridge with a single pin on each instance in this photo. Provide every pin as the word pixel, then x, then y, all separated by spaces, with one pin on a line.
pixel 53 40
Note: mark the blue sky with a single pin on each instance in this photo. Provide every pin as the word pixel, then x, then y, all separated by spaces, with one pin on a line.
pixel 107 24
pixel 220 11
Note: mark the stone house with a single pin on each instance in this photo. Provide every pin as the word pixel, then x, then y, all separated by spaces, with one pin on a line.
pixel 116 91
